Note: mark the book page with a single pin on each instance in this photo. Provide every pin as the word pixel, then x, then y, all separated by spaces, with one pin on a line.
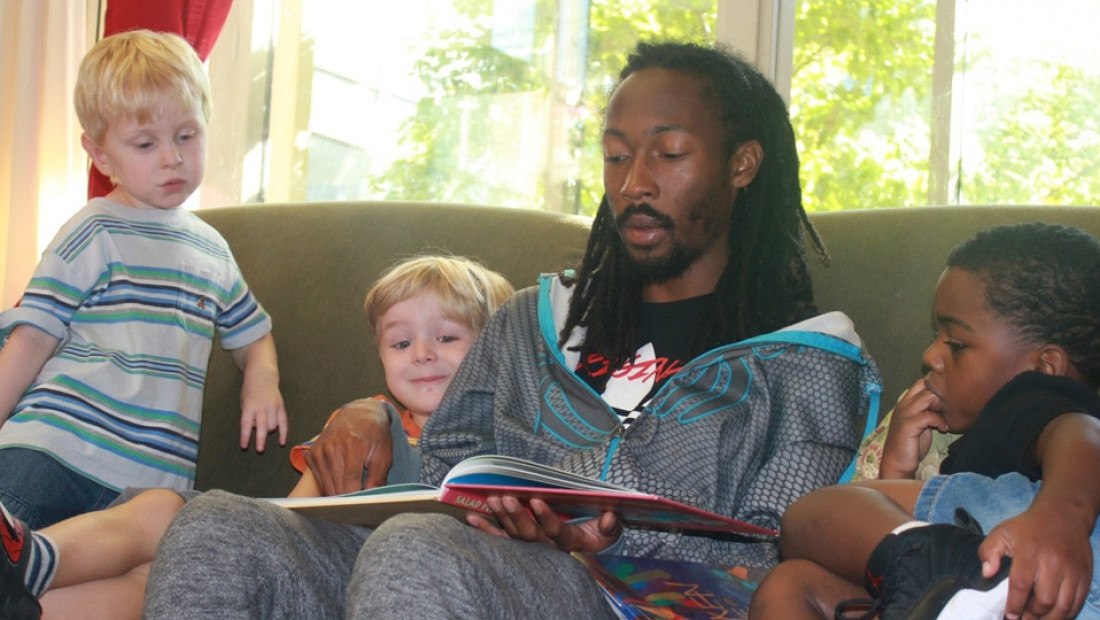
pixel 492 469
pixel 395 491
pixel 370 508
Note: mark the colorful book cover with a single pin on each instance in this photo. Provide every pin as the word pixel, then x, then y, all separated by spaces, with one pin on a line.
pixel 651 589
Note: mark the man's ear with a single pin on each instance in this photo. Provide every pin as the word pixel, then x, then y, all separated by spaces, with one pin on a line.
pixel 97 155
pixel 1054 360
pixel 745 163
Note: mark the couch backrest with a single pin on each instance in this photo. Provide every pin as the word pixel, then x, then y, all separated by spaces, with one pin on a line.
pixel 885 264
pixel 311 264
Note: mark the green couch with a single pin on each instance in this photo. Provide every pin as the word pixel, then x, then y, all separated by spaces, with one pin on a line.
pixel 311 264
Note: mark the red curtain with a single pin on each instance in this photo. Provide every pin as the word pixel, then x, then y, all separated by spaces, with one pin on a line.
pixel 198 21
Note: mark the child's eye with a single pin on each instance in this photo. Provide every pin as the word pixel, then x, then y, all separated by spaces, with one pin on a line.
pixel 402 344
pixel 145 145
pixel 954 345
pixel 614 159
pixel 671 155
pixel 446 339
pixel 185 136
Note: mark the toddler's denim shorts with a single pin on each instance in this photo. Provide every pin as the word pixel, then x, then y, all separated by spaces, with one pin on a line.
pixel 990 501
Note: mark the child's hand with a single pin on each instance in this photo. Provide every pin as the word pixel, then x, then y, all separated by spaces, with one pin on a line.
pixel 910 433
pixel 261 403
pixel 262 409
pixel 1051 563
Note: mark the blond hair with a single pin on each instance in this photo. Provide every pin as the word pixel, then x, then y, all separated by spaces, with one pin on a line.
pixel 467 291
pixel 126 75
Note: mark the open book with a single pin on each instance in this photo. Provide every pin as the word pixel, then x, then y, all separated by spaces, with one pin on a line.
pixel 467 485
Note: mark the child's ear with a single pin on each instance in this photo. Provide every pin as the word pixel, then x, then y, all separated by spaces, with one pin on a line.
pixel 1054 360
pixel 97 155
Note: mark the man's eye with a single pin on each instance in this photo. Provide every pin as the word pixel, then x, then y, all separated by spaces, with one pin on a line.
pixel 955 346
pixel 671 155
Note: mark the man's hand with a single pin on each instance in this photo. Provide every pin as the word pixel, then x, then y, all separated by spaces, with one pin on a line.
pixel 1051 563
pixel 542 525
pixel 357 438
pixel 910 433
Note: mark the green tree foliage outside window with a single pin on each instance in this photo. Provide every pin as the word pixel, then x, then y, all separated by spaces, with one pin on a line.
pixel 861 107
pixel 1042 146
pixel 861 91
pixel 463 121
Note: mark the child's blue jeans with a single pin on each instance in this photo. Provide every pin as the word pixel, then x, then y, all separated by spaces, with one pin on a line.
pixel 40 490
pixel 990 501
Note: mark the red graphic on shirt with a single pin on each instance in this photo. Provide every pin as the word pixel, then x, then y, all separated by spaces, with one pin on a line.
pixel 656 370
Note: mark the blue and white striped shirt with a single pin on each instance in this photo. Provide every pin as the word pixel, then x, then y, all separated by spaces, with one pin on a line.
pixel 135 296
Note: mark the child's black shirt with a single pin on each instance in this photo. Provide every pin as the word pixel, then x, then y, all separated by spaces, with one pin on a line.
pixel 1004 435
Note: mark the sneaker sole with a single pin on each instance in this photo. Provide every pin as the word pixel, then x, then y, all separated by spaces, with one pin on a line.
pixel 950 600
pixel 977 604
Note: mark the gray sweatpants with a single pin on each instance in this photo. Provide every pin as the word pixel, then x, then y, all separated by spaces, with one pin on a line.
pixel 227 556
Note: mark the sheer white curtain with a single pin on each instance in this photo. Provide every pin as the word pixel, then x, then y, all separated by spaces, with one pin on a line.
pixel 43 170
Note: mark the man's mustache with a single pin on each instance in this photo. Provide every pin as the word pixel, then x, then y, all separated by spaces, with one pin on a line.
pixel 644 208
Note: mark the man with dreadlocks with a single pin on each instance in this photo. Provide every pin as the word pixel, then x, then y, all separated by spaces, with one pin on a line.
pixel 683 358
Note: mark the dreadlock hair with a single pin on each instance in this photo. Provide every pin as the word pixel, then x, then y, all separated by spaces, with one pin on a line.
pixel 766 284
pixel 1041 279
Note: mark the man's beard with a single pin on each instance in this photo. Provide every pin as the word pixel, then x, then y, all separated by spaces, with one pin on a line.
pixel 661 269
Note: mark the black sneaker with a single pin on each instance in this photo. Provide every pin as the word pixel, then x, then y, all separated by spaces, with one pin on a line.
pixel 914 575
pixel 16 601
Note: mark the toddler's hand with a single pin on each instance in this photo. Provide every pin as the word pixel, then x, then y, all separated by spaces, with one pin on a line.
pixel 1051 563
pixel 910 434
pixel 262 411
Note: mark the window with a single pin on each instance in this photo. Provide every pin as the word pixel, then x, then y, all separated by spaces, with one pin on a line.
pixel 480 101
pixel 914 102
pixel 895 102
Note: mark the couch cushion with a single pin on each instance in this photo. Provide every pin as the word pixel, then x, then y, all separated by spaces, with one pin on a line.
pixel 310 265
pixel 885 264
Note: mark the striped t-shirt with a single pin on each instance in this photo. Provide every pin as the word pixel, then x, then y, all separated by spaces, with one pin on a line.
pixel 135 296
